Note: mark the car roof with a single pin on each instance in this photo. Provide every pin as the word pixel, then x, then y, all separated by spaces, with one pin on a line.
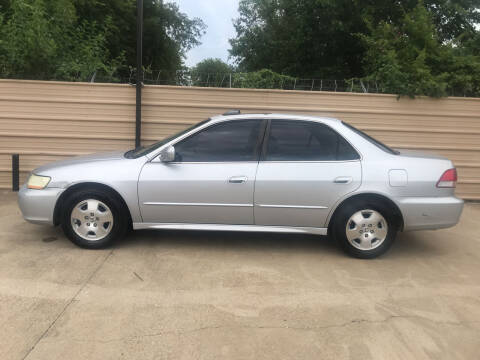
pixel 274 116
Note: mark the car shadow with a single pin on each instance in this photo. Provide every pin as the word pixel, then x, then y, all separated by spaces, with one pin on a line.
pixel 221 240
pixel 415 243
pixel 408 244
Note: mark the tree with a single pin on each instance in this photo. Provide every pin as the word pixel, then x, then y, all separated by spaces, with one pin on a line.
pixel 411 59
pixel 72 39
pixel 41 40
pixel 263 79
pixel 310 38
pixel 168 33
pixel 211 72
pixel 339 39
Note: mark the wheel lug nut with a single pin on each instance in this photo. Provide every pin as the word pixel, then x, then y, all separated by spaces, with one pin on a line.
pixel 95 224
pixel 88 224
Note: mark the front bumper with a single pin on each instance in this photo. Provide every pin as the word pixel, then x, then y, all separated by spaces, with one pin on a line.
pixel 421 213
pixel 37 206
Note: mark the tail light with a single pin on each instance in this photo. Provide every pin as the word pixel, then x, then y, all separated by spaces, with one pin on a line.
pixel 448 179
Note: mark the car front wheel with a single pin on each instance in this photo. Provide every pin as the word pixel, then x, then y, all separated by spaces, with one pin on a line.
pixel 93 220
pixel 365 230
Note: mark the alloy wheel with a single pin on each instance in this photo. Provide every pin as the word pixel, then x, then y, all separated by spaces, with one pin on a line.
pixel 92 219
pixel 366 229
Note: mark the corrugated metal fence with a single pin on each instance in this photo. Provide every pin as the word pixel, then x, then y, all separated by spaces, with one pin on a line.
pixel 45 121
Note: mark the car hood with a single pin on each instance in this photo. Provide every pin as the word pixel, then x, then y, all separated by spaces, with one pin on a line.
pixel 104 156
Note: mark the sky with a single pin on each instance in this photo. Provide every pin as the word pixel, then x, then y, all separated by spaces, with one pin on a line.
pixel 217 15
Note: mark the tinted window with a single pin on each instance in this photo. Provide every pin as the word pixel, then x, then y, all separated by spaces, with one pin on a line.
pixel 306 141
pixel 372 140
pixel 235 140
pixel 136 153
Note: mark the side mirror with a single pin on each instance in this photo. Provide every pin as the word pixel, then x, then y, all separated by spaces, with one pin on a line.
pixel 167 154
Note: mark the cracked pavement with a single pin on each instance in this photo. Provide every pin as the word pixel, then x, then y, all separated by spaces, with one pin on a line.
pixel 211 295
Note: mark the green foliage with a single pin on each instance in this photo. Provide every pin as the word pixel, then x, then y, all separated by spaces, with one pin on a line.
pixel 44 40
pixel 211 65
pixel 86 54
pixel 409 47
pixel 168 35
pixel 74 39
pixel 308 38
pixel 409 59
pixel 211 72
pixel 263 79
pixel 26 45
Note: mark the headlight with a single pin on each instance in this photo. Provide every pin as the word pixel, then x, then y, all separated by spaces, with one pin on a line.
pixel 37 182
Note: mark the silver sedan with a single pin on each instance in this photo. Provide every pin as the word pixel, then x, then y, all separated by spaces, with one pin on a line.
pixel 252 172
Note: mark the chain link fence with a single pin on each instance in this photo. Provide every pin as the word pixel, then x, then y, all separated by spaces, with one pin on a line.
pixel 240 80
pixel 260 80
pixel 281 82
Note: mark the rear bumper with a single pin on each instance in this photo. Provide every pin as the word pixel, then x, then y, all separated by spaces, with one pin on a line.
pixel 420 213
pixel 37 206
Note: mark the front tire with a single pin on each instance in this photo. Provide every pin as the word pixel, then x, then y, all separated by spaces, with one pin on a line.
pixel 93 219
pixel 365 229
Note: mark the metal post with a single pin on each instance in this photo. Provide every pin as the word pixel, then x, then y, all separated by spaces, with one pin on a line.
pixel 138 112
pixel 15 172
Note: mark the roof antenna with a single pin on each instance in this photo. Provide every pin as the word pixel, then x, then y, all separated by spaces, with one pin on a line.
pixel 232 112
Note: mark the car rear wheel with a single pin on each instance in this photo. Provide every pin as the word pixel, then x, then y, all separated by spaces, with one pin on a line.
pixel 93 219
pixel 365 230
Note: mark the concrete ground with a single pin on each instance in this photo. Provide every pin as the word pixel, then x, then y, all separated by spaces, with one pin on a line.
pixel 188 295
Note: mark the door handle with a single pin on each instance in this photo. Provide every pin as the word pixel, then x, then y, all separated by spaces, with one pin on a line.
pixel 343 180
pixel 237 179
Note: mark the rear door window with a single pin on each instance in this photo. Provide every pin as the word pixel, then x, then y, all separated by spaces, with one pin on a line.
pixel 296 140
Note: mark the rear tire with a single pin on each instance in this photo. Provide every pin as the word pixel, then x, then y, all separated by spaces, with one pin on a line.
pixel 93 219
pixel 364 229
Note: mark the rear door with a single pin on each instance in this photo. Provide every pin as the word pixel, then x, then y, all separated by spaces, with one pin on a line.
pixel 211 180
pixel 306 167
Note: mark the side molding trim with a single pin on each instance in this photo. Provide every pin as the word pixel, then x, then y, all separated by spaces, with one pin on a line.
pixel 195 204
pixel 291 206
pixel 225 227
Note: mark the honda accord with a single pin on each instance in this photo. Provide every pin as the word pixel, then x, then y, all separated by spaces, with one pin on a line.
pixel 250 172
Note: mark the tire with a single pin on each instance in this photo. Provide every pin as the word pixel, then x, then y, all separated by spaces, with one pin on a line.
pixel 365 230
pixel 94 219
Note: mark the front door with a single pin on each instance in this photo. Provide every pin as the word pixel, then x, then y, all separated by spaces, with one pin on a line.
pixel 211 180
pixel 306 168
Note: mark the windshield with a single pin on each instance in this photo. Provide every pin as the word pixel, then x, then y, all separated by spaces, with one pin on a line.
pixel 372 140
pixel 141 151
